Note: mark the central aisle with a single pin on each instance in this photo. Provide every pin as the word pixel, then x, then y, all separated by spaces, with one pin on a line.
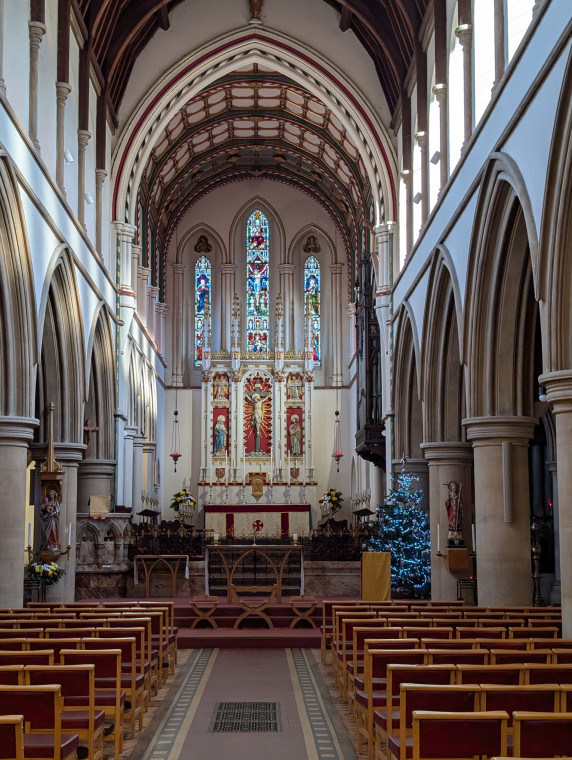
pixel 288 677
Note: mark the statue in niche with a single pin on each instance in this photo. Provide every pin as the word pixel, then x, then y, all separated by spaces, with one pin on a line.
pixel 294 387
pixel 454 507
pixel 255 9
pixel 311 245
pixel 220 387
pixel 203 245
pixel 50 520
pixel 108 549
pixel 257 398
pixel 220 435
pixel 295 430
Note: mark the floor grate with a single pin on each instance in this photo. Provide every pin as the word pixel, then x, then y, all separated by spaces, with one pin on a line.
pixel 246 717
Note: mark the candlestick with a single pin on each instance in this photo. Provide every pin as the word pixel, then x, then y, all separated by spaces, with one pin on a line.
pixel 472 535
pixel 271 473
pixel 438 538
pixel 226 469
pixel 30 534
pixel 69 534
pixel 243 466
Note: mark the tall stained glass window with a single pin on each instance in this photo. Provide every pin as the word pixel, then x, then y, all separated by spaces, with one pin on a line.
pixel 257 262
pixel 312 297
pixel 202 295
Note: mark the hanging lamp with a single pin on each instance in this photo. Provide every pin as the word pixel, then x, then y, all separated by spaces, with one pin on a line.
pixel 337 452
pixel 175 439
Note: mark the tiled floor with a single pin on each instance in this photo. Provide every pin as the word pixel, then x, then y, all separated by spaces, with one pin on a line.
pixel 312 726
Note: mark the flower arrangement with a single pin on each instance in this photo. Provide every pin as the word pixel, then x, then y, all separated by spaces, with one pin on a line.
pixel 332 500
pixel 183 498
pixel 47 572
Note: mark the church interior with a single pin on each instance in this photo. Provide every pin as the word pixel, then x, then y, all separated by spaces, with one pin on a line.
pixel 286 354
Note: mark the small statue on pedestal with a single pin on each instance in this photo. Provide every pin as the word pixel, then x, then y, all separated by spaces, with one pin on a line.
pixel 454 507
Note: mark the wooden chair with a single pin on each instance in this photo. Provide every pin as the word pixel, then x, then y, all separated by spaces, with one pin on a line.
pixel 528 697
pixel 535 672
pixel 11 674
pixel 359 636
pixel 473 632
pixel 328 608
pixel 152 652
pixel 457 656
pixel 77 685
pixel 143 666
pixel 544 734
pixel 430 643
pixel 537 632
pixel 511 674
pixel 458 735
pixel 204 607
pixel 41 656
pixel 55 645
pixel 41 707
pixel 12 737
pixel 504 656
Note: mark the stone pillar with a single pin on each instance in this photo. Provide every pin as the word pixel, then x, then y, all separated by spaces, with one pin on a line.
pixel 502 508
pixel 337 332
pixel 143 274
pixel 351 315
pixel 126 233
pixel 161 310
pixel 152 291
pixel 465 36
pixel 422 140
pixel 559 391
pixel 36 31
pixel 135 261
pixel 440 92
pixel 2 25
pixel 228 276
pixel 408 181
pixel 177 324
pixel 447 461
pixel 15 435
pixel 83 137
pixel 63 89
pixel 129 432
pixel 555 591
pixel 500 43
pixel 100 175
pixel 137 483
pixel 286 281
pixel 95 478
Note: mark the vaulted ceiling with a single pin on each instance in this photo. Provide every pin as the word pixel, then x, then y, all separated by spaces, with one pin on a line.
pixel 118 31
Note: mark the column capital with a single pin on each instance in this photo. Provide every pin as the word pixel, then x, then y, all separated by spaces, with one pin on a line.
pixel 177 267
pixel 440 92
pixel 83 137
pixel 448 452
pixel 143 272
pixel 336 269
pixel 406 176
pixel 227 268
pixel 286 268
pixel 66 453
pixel 351 309
pixel 421 138
pixel 558 386
pixel 17 431
pixel 63 89
pixel 36 31
pixel 100 175
pixel 125 231
pixel 464 34
pixel 487 430
pixel 152 291
pixel 383 230
pixel 161 308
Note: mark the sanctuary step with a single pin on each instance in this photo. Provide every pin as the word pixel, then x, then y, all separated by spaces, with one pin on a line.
pixel 246 638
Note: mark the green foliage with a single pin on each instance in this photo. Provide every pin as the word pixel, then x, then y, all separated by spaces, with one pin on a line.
pixel 402 528
pixel 47 572
pixel 184 496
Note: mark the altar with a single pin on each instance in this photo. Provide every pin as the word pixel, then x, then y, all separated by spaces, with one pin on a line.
pixel 278 520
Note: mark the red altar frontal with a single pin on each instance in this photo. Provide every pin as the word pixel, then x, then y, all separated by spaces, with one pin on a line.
pixel 236 520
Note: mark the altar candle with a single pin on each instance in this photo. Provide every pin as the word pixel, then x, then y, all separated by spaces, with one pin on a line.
pixel 295 536
pixel 438 537
pixel 69 534
pixel 226 469
pixel 243 465
pixel 29 534
pixel 271 473
pixel 288 474
pixel 473 536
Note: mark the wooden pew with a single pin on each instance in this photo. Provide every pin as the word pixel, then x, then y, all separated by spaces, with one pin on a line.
pixel 12 737
pixel 458 735
pixel 542 733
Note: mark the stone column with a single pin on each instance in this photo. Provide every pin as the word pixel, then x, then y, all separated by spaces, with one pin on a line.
pixel 502 508
pixel 447 461
pixel 63 89
pixel 83 137
pixel 15 435
pixel 161 310
pixel 137 482
pixel 465 36
pixel 440 92
pixel 337 332
pixel 351 315
pixel 2 26
pixel 127 496
pixel 135 261
pixel 559 391
pixel 228 275
pixel 126 233
pixel 286 282
pixel 177 324
pixel 100 175
pixel 36 31
pixel 500 44
pixel 422 140
pixel 152 291
pixel 408 181
pixel 143 274
pixel 95 478
pixel 555 591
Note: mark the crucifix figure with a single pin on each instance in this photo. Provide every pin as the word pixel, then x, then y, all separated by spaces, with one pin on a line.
pixel 88 429
pixel 257 398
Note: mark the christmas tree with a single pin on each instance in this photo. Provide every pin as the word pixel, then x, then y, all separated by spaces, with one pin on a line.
pixel 402 528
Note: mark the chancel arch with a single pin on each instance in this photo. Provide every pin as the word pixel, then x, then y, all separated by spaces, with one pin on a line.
pixel 501 322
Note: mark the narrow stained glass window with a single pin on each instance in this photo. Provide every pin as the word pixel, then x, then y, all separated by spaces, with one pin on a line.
pixel 312 296
pixel 257 262
pixel 202 295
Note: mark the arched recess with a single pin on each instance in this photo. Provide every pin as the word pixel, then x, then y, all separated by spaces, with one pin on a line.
pixel 406 396
pixel 556 240
pixel 442 371
pixel 18 331
pixel 61 375
pixel 501 307
pixel 100 403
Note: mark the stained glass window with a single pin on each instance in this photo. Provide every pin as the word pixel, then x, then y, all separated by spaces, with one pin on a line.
pixel 312 297
pixel 202 295
pixel 257 261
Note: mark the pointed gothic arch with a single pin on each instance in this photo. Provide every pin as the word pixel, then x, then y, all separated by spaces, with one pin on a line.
pixel 407 401
pixel 101 396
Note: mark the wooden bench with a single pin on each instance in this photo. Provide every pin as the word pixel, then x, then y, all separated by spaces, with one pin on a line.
pixel 458 735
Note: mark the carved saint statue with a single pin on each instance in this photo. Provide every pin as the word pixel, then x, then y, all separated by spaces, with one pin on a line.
pixel 50 520
pixel 454 507
pixel 257 398
pixel 220 435
pixel 295 430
